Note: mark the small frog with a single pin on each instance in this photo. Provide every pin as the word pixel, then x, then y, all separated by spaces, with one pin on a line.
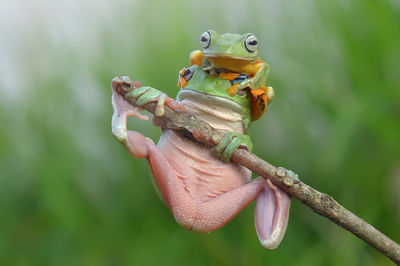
pixel 225 87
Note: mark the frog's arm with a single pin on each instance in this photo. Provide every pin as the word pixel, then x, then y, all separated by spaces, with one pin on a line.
pixel 260 94
pixel 184 76
pixel 260 78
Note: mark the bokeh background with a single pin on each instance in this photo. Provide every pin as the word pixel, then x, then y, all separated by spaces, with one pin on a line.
pixel 71 195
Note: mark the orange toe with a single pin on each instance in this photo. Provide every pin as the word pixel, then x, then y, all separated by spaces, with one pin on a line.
pixel 232 90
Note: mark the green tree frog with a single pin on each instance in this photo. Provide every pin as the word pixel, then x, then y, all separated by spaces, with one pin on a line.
pixel 225 87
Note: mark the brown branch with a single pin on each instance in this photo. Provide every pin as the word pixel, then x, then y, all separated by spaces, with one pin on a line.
pixel 321 203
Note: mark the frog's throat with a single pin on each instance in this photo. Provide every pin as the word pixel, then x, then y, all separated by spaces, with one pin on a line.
pixel 217 100
pixel 221 113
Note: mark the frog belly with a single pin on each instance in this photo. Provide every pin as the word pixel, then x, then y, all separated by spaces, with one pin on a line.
pixel 203 175
pixel 220 113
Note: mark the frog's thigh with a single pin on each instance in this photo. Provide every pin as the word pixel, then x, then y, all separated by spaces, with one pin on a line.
pixel 213 214
pixel 172 188
pixel 204 216
pixel 271 211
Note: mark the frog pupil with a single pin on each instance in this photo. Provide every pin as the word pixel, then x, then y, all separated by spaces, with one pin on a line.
pixel 253 42
pixel 203 38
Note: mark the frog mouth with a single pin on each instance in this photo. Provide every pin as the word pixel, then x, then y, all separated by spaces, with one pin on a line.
pixel 228 56
pixel 231 63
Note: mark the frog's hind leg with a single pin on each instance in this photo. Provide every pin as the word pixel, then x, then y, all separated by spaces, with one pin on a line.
pixel 205 216
pixel 214 213
pixel 271 210
pixel 272 205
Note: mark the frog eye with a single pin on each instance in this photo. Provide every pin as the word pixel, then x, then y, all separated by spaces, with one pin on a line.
pixel 251 43
pixel 205 39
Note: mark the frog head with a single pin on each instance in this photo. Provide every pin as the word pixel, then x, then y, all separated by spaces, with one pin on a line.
pixel 229 51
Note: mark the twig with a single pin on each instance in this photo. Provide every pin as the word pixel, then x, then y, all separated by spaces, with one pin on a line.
pixel 321 203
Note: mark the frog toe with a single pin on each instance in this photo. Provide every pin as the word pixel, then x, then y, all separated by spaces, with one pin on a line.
pixel 160 110
pixel 177 106
pixel 143 95
pixel 230 149
pixel 222 144
pixel 229 143
pixel 232 90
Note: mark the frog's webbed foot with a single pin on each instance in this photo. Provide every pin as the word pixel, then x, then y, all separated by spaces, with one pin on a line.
pixel 134 142
pixel 271 215
pixel 229 143
pixel 123 109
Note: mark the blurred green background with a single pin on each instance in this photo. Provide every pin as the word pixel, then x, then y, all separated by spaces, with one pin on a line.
pixel 71 195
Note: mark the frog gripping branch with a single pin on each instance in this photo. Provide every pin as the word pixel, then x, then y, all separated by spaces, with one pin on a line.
pixel 225 87
pixel 222 92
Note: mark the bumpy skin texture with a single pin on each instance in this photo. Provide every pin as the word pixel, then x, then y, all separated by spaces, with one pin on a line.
pixel 202 192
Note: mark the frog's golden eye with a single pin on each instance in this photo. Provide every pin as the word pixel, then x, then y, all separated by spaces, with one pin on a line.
pixel 251 43
pixel 205 39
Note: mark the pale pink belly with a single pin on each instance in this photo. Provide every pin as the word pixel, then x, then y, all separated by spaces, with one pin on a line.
pixel 203 175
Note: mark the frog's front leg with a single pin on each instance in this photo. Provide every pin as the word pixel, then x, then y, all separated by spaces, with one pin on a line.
pixel 256 82
pixel 260 77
